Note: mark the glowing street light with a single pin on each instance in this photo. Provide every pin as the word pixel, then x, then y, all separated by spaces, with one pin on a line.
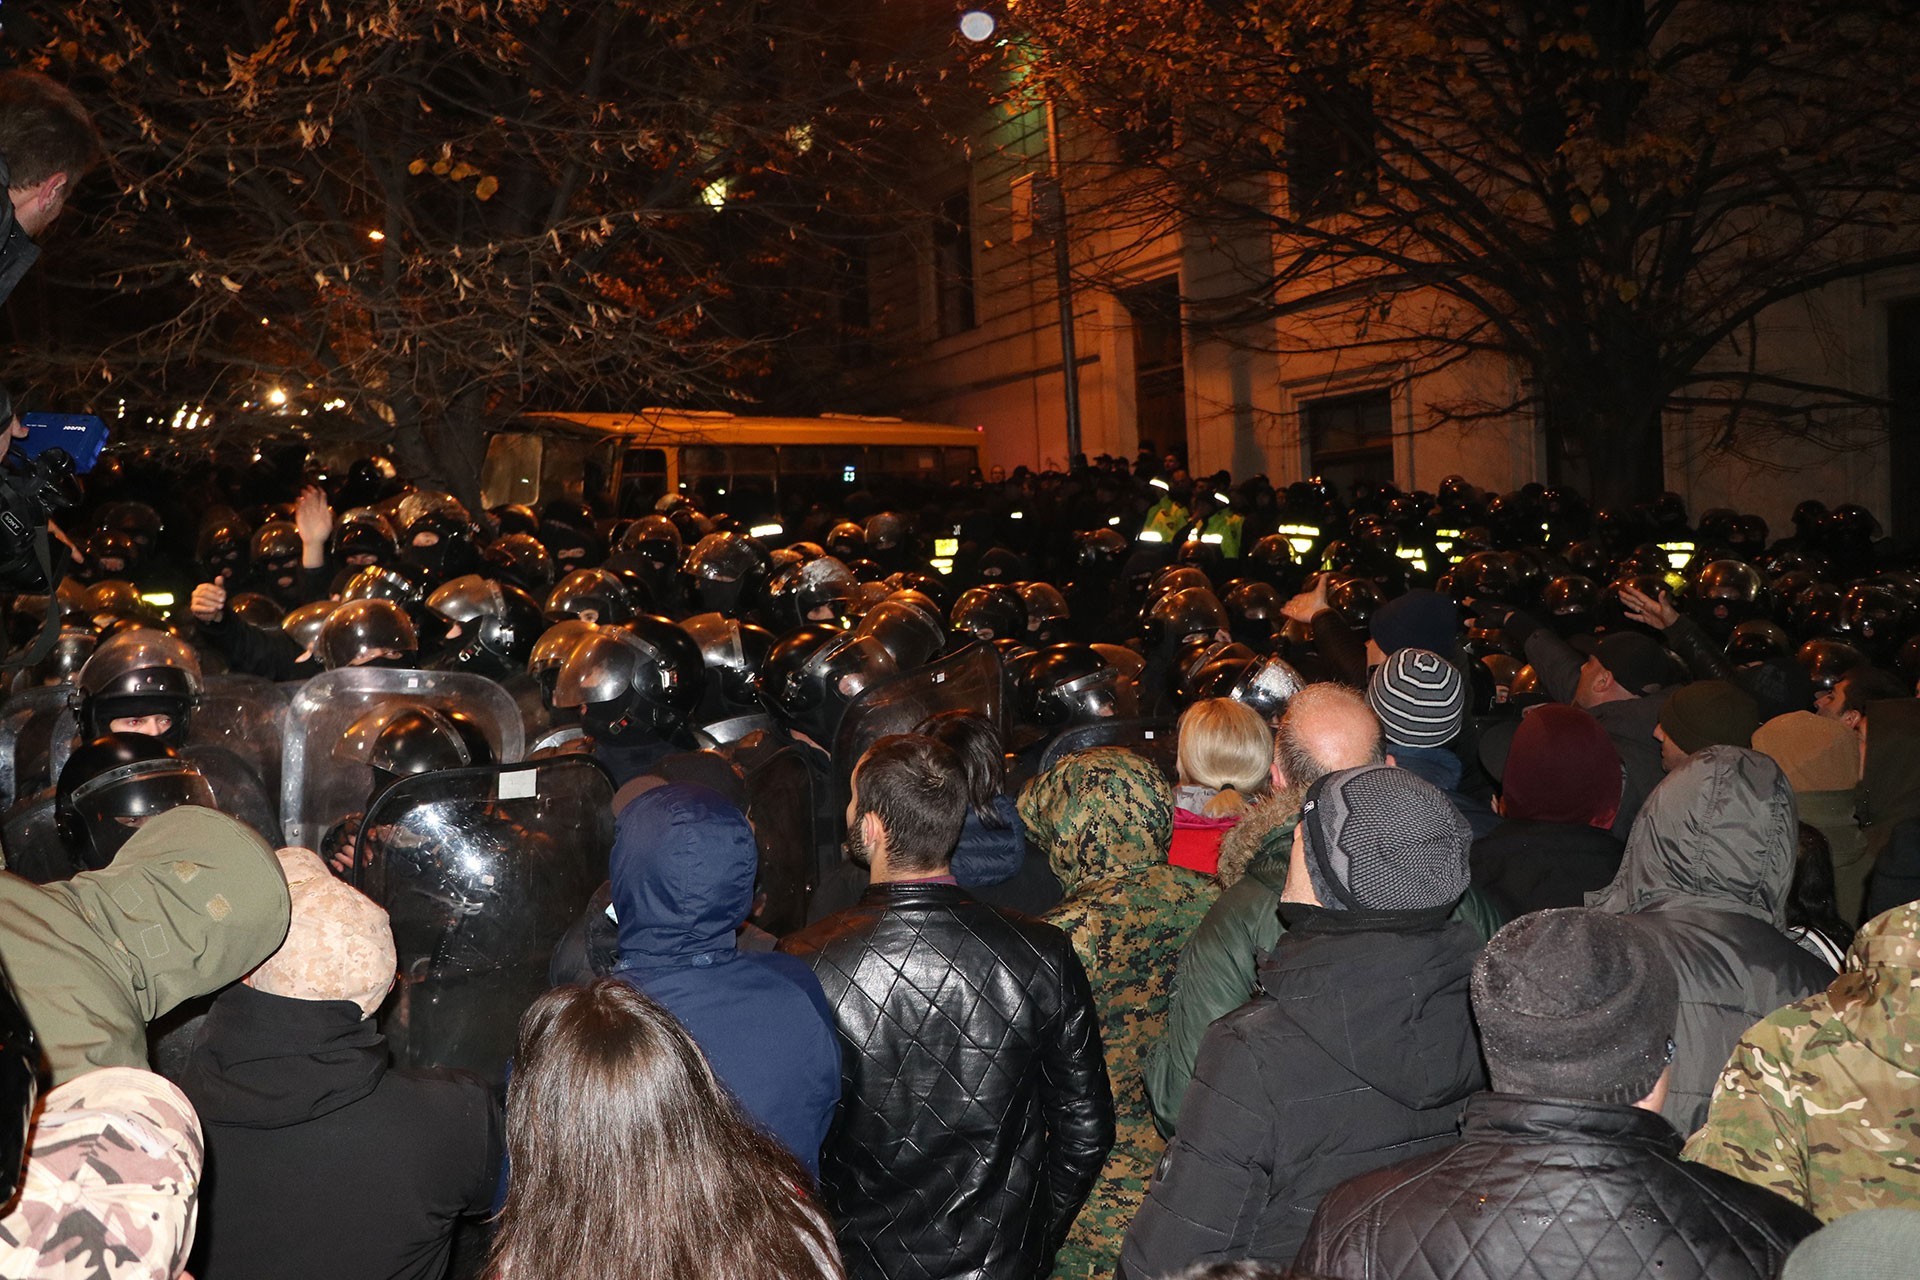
pixel 977 25
pixel 276 397
pixel 376 235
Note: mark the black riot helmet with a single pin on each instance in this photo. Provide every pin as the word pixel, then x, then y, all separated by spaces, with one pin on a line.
pixel 655 539
pixel 19 1086
pixel 847 540
pixel 375 632
pixel 1072 684
pixel 1179 614
pixel 726 573
pixel 275 547
pixel 1356 600
pixel 520 559
pixel 1047 612
pixel 1255 610
pixel 136 673
pixel 1266 685
pixel 436 533
pixel 813 592
pixel 1100 552
pixel 909 625
pixel 222 545
pixel 1175 578
pixel 592 595
pixel 71 649
pixel 1875 619
pixel 110 787
pixel 732 652
pixel 927 584
pixel 551 650
pixel 1724 594
pixel 304 623
pixel 411 739
pixel 646 673
pixel 1827 661
pixel 991 613
pixel 1758 640
pixel 363 536
pixel 111 554
pixel 498 625
pixel 812 675
pixel 405 585
pixel 1569 602
pixel 515 517
pixel 887 534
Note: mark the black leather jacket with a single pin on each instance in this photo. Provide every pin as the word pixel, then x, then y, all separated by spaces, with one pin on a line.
pixel 975 1111
pixel 1550 1187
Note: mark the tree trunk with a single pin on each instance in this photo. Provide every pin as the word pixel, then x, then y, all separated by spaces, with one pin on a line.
pixel 1612 452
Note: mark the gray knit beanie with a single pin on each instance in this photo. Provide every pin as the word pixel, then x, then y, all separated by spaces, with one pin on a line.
pixel 1420 697
pixel 1382 839
pixel 1575 1003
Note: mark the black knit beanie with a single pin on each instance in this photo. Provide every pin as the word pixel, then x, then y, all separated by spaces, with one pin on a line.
pixel 1382 839
pixel 1574 1003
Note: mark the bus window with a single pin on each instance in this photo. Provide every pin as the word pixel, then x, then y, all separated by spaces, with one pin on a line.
pixel 511 472
pixel 958 463
pixel 908 460
pixel 643 481
pixel 568 469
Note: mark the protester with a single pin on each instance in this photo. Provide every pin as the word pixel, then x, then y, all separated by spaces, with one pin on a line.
pixel 1816 1101
pixel 291 1078
pixel 1566 1167
pixel 1706 875
pixel 1361 1048
pixel 1889 801
pixel 629 1159
pixel 1821 758
pixel 1874 1244
pixel 47 144
pixel 993 860
pixel 112 1182
pixel 1105 819
pixel 1225 752
pixel 1421 700
pixel 975 1110
pixel 1706 713
pixel 1560 786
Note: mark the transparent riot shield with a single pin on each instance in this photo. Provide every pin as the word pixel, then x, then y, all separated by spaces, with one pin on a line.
pixel 36 736
pixel 320 784
pixel 481 871
pixel 535 717
pixel 1154 739
pixel 243 716
pixel 780 806
pixel 238 790
pixel 970 680
pixel 32 842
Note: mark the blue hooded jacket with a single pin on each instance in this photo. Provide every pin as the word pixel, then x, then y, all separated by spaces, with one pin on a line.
pixel 682 873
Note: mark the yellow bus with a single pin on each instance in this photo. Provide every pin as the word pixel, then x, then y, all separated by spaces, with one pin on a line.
pixel 624 463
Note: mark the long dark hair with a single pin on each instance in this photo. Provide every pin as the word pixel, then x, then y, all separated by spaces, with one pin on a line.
pixel 628 1159
pixel 983 758
pixel 1812 902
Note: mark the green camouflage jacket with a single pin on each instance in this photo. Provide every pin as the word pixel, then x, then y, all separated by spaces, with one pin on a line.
pixel 1105 820
pixel 1821 1101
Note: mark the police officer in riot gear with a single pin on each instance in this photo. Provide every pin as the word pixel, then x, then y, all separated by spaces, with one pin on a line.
pixel 139 681
pixel 636 686
pixel 492 626
pixel 368 633
pixel 106 791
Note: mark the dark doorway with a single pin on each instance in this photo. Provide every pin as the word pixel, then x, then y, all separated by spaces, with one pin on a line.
pixel 1159 363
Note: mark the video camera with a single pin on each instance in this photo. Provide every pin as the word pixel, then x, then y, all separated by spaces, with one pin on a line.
pixel 31 491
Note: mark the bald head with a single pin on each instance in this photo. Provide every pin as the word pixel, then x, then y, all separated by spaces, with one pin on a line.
pixel 1326 728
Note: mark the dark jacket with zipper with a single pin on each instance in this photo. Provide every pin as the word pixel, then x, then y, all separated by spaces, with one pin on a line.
pixel 1359 1051
pixel 1549 1188
pixel 975 1108
pixel 323 1162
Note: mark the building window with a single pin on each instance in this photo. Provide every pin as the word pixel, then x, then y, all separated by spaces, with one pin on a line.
pixel 1350 437
pixel 953 264
pixel 1331 160
pixel 1159 362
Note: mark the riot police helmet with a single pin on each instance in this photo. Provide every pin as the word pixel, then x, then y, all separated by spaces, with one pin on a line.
pixel 726 573
pixel 847 540
pixel 819 591
pixel 1047 611
pixel 304 623
pixel 732 652
pixel 1827 661
pixel 990 613
pixel 134 675
pixel 1266 684
pixel 812 675
pixel 368 632
pixel 109 787
pixel 497 624
pixel 592 595
pixel 520 559
pixel 645 674
pixel 909 625
pixel 1071 684
pixel 1179 614
pixel 363 536
pixel 1100 551
pixel 655 539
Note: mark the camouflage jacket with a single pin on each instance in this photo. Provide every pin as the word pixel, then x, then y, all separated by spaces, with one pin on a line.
pixel 1818 1101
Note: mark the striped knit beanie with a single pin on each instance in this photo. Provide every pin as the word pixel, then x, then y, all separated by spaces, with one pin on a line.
pixel 1420 697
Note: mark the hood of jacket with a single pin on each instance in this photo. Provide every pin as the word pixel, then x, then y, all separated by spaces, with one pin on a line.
pixel 1099 813
pixel 1438 765
pixel 1388 1001
pixel 1262 842
pixel 1890 775
pixel 194 900
pixel 1873 995
pixel 682 873
pixel 1719 833
pixel 990 855
pixel 266 1062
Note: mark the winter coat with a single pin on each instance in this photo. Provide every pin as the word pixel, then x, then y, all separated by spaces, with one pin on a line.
pixel 1817 1102
pixel 1551 1188
pixel 1831 812
pixel 1196 840
pixel 322 1161
pixel 1441 767
pixel 18 252
pixel 1218 968
pixel 193 901
pixel 1889 798
pixel 682 871
pixel 1000 867
pixel 1360 1051
pixel 1706 875
pixel 1105 818
pixel 1532 866
pixel 975 1110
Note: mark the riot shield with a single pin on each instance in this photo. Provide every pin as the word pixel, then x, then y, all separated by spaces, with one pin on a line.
pixel 241 715
pixel 481 871
pixel 319 786
pixel 238 790
pixel 36 736
pixel 780 806
pixel 536 718
pixel 1154 739
pixel 970 680
pixel 32 844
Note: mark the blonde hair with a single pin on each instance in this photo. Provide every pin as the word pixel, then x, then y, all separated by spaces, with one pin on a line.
pixel 1225 745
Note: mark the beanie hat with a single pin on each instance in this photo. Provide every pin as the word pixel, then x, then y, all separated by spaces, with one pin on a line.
pixel 1420 697
pixel 1562 767
pixel 339 945
pixel 1816 754
pixel 1382 839
pixel 1575 1003
pixel 112 1182
pixel 1709 713
pixel 1871 1244
pixel 1420 619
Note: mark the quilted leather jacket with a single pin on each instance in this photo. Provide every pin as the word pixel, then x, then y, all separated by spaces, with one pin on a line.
pixel 975 1110
pixel 1548 1188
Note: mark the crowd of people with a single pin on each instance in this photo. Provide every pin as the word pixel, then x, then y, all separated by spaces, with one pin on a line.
pixel 1174 878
